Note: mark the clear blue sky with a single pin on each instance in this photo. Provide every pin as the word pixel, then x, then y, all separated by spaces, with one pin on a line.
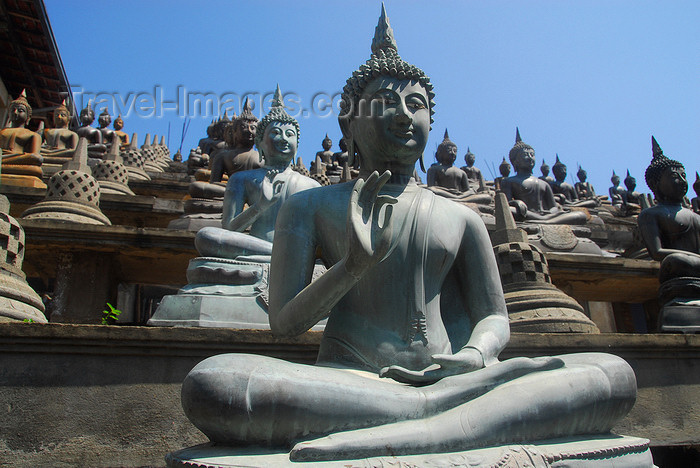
pixel 590 80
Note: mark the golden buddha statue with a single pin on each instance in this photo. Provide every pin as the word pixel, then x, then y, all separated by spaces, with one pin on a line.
pixel 21 161
pixel 59 142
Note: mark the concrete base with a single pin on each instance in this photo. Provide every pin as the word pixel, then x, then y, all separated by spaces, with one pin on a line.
pixel 680 318
pixel 22 181
pixel 596 452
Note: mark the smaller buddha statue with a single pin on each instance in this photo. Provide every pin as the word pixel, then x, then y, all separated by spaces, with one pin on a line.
pixel 196 160
pixel 123 136
pixel 695 202
pixel 632 197
pixel 59 142
pixel 616 192
pixel 326 155
pixel 476 178
pixel 531 198
pixel 584 189
pixel 504 169
pixel 21 161
pixel 560 186
pixel 544 168
pixel 239 154
pixel 672 236
pixel 219 134
pixel 443 177
pixel 103 120
pixel 341 157
pixel 96 149
pixel 205 144
pixel 177 157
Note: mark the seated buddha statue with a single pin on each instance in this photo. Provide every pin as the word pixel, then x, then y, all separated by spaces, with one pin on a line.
pixel 341 157
pixel 263 190
pixel 565 192
pixel 239 154
pixel 96 149
pixel 544 169
pixel 326 155
pixel 584 189
pixel 616 192
pixel 59 142
pixel 504 170
pixel 671 234
pixel 123 136
pixel 443 176
pixel 20 147
pixel 399 370
pixel 476 178
pixel 206 143
pixel 531 198
pixel 103 120
pixel 631 197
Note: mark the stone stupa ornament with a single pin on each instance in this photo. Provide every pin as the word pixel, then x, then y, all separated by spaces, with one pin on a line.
pixel 133 160
pixel 18 301
pixel 149 156
pixel 111 173
pixel 73 193
pixel 534 304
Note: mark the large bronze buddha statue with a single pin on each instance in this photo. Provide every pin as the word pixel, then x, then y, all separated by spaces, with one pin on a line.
pixel 59 142
pixel 408 361
pixel 21 160
pixel 532 198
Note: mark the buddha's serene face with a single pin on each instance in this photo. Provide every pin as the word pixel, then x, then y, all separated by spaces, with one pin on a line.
pixel 446 154
pixel 87 116
pixel 615 180
pixel 524 159
pixel 18 114
pixel 244 132
pixel 504 169
pixel 545 170
pixel 393 121
pixel 470 159
pixel 631 183
pixel 582 175
pixel 560 173
pixel 61 118
pixel 279 143
pixel 673 184
pixel 104 120
pixel 118 124
pixel 326 144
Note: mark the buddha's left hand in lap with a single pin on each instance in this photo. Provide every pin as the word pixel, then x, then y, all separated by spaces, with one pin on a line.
pixel 444 365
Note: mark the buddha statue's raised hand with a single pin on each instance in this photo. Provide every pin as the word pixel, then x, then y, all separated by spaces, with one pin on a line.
pixel 368 238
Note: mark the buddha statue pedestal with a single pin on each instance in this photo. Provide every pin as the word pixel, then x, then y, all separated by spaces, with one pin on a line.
pixel 221 293
pixel 600 452
pixel 18 301
pixel 680 305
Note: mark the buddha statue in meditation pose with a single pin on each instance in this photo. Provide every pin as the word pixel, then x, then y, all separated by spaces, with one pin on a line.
pixel 671 234
pixel 616 192
pixel 631 196
pixel 584 189
pixel 239 154
pixel 123 136
pixel 341 157
pixel 206 143
pixel 531 198
pixel 564 192
pixel 408 362
pixel 96 149
pixel 444 176
pixel 476 178
pixel 103 120
pixel 59 142
pixel 544 169
pixel 504 170
pixel 263 190
pixel 326 155
pixel 20 146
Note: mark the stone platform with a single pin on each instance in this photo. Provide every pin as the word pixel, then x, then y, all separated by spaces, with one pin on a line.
pixel 597 452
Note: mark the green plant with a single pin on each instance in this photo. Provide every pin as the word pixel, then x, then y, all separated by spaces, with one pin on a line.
pixel 111 315
pixel 28 320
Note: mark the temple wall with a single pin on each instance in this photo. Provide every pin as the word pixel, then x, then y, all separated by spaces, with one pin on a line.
pixel 91 395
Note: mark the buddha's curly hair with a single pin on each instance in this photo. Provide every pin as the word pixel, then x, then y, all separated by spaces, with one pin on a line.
pixel 22 101
pixel 516 149
pixel 384 61
pixel 276 114
pixel 659 164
